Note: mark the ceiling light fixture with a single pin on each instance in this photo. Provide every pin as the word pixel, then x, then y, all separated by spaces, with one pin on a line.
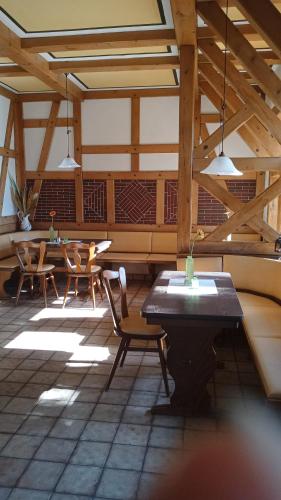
pixel 222 164
pixel 68 162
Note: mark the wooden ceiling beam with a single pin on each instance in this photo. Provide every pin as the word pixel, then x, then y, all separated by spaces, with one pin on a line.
pixel 124 64
pixel 100 41
pixel 34 64
pixel 243 50
pixel 232 3
pixel 185 21
pixel 265 19
pixel 238 82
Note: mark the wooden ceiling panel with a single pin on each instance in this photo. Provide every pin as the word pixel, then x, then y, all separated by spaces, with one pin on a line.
pixel 128 79
pixel 51 15
pixel 25 84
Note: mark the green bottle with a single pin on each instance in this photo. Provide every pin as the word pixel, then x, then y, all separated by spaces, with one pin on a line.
pixel 52 234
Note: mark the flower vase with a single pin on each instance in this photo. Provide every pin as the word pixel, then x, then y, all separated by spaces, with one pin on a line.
pixel 52 234
pixel 24 222
pixel 189 269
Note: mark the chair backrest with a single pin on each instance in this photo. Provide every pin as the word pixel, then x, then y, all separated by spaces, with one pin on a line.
pixel 74 253
pixel 26 251
pixel 120 278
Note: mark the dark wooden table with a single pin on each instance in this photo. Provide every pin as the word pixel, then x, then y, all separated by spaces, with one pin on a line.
pixel 101 245
pixel 192 317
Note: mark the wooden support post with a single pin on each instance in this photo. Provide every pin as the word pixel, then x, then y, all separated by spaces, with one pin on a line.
pixel 78 172
pixel 160 201
pixel 5 160
pixel 78 176
pixel 110 201
pixel 186 133
pixel 135 131
pixel 19 143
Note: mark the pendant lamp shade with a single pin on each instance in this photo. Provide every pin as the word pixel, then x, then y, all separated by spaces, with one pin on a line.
pixel 67 162
pixel 221 165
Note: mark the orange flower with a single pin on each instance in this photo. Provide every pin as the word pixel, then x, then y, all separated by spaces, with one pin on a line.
pixel 53 213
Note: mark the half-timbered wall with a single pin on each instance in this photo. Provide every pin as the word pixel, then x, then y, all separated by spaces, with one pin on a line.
pixel 130 158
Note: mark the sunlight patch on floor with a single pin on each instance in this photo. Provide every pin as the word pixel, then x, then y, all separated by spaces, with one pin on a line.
pixel 68 313
pixel 46 341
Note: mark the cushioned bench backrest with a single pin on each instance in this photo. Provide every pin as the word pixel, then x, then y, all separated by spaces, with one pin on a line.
pixel 83 235
pixel 6 247
pixel 164 243
pixel 203 264
pixel 130 241
pixel 254 273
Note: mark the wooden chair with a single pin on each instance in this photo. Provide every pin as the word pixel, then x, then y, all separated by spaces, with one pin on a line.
pixel 74 254
pixel 131 327
pixel 27 254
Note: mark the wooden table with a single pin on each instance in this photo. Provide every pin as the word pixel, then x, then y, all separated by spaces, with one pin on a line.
pixel 192 317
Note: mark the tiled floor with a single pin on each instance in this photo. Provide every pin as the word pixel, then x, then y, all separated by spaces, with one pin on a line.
pixel 62 437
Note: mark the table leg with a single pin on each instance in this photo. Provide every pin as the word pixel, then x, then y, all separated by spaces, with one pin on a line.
pixel 191 361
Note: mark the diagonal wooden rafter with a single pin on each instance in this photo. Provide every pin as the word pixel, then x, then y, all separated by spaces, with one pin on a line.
pixel 243 50
pixel 204 135
pixel 234 204
pixel 5 160
pixel 34 64
pixel 248 94
pixel 248 211
pixel 267 25
pixel 100 41
pixel 49 133
pixel 232 124
pixel 253 132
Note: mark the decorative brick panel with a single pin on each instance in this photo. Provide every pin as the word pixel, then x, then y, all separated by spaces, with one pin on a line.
pixel 95 209
pixel 58 195
pixel 171 202
pixel 211 212
pixel 135 202
pixel 244 190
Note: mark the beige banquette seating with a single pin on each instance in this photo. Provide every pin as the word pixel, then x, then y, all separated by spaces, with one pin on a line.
pixel 258 281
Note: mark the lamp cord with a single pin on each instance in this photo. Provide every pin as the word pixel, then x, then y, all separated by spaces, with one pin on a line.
pixel 67 122
pixel 224 75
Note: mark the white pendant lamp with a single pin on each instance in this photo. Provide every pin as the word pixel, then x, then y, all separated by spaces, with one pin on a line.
pixel 68 162
pixel 222 164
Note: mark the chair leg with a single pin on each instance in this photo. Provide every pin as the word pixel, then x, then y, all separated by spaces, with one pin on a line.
pixel 76 287
pixel 54 284
pixel 125 352
pixel 92 290
pixel 68 281
pixel 19 288
pixel 31 285
pixel 44 288
pixel 99 286
pixel 115 364
pixel 163 365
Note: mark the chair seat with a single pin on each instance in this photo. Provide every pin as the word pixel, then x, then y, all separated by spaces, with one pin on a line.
pixel 46 268
pixel 94 270
pixel 136 325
